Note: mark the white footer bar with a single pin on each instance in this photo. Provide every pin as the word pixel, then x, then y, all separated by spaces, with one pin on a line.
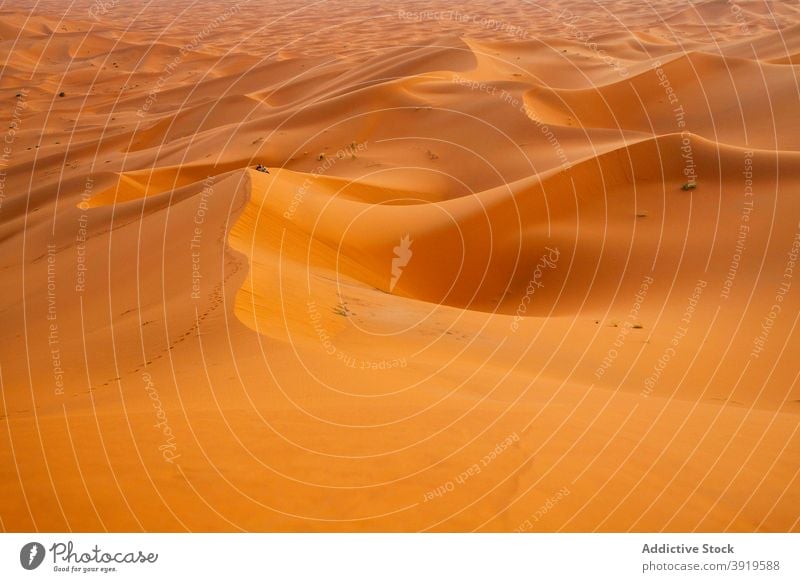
pixel 401 557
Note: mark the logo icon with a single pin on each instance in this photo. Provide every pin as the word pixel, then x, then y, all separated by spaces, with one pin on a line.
pixel 402 254
pixel 31 555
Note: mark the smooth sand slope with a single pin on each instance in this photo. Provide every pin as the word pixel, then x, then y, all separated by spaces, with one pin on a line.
pixel 471 294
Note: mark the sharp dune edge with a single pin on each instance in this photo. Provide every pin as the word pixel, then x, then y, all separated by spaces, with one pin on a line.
pixel 471 294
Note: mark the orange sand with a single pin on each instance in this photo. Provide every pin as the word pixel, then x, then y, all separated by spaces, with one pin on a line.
pixel 469 295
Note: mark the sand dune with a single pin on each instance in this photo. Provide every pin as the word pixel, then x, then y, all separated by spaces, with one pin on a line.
pixel 511 269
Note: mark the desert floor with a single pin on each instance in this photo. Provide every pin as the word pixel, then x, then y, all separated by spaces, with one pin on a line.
pixel 513 268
